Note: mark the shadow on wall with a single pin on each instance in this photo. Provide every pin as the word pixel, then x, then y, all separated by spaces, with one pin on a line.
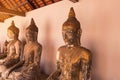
pixel 23 39
pixel 95 62
pixel 48 59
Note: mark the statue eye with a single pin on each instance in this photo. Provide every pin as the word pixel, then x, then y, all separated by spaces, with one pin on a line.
pixel 69 31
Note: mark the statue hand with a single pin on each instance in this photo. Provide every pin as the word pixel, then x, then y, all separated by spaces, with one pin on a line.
pixel 55 75
pixel 6 74
pixel 2 61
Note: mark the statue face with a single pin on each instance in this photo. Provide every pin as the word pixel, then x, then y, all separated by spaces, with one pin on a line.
pixel 29 35
pixel 69 34
pixel 11 34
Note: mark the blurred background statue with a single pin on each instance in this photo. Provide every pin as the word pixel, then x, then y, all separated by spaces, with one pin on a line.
pixel 29 66
pixel 73 61
pixel 3 53
pixel 11 51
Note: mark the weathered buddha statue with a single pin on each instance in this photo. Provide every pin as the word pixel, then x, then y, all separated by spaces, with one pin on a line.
pixel 73 60
pixel 12 50
pixel 5 47
pixel 3 54
pixel 30 62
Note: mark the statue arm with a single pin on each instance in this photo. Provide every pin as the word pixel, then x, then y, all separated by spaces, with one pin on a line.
pixel 57 73
pixel 20 63
pixel 14 58
pixel 18 48
pixel 22 60
pixel 5 51
pixel 85 66
pixel 37 55
pixel 36 58
pixel 3 55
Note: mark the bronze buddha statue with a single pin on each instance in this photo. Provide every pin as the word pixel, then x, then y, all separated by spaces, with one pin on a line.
pixel 73 61
pixel 30 62
pixel 12 51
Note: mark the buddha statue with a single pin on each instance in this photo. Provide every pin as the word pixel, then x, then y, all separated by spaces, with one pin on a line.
pixel 73 61
pixel 12 50
pixel 29 66
pixel 5 47
pixel 4 53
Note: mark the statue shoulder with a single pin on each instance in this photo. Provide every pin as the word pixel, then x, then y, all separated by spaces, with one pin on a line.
pixel 38 46
pixel 86 51
pixel 61 48
pixel 18 42
pixel 60 51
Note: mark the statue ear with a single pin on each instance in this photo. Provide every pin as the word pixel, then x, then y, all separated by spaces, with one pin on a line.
pixel 79 32
pixel 35 35
pixel 63 34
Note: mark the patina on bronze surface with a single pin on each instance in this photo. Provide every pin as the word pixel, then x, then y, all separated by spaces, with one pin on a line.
pixel 11 51
pixel 73 61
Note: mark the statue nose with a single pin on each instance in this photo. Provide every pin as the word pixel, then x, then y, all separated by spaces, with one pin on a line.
pixel 70 35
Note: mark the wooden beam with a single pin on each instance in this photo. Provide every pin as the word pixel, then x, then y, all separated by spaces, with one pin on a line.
pixel 1 5
pixel 9 4
pixel 44 2
pixel 11 12
pixel 74 1
pixel 31 4
pixel 18 7
pixel 36 3
pixel 52 1
pixel 21 4
pixel 1 20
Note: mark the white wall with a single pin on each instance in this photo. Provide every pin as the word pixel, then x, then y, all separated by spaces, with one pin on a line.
pixel 100 24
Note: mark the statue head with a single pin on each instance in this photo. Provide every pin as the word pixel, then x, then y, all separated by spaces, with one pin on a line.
pixel 32 31
pixel 13 31
pixel 71 29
